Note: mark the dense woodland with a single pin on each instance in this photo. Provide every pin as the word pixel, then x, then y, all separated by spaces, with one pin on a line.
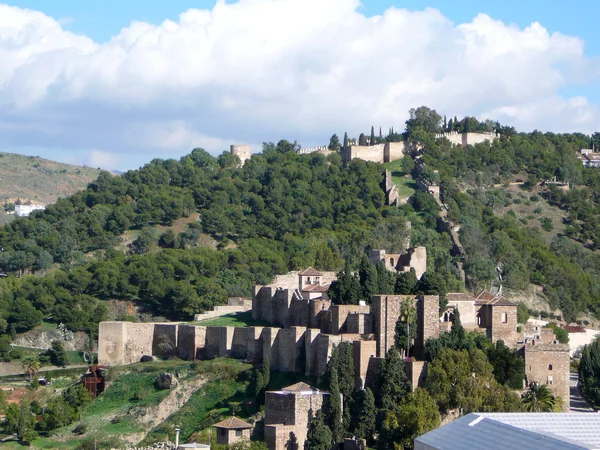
pixel 284 211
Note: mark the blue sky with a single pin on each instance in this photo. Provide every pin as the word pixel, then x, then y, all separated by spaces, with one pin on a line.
pixel 101 20
pixel 158 92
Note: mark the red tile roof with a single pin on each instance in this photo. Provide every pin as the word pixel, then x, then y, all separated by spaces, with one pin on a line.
pixel 298 387
pixel 310 272
pixel 233 423
pixel 315 288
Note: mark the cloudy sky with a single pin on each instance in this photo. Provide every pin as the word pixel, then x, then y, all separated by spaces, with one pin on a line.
pixel 114 84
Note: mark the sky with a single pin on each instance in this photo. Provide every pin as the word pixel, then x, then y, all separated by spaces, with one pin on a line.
pixel 116 84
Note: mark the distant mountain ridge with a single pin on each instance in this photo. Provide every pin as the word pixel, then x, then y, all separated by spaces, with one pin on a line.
pixel 40 180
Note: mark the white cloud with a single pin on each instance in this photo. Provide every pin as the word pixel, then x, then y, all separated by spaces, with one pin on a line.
pixel 267 69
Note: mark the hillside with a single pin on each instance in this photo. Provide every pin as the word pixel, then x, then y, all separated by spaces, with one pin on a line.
pixel 40 180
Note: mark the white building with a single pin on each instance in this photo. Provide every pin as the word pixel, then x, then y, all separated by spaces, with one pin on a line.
pixel 25 210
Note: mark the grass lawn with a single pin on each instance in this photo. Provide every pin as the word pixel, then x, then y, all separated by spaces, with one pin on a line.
pixel 403 181
pixel 243 319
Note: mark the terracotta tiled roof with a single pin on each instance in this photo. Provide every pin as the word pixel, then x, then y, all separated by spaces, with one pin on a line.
pixel 458 297
pixel 484 297
pixel 298 387
pixel 315 288
pixel 574 329
pixel 233 423
pixel 487 298
pixel 311 272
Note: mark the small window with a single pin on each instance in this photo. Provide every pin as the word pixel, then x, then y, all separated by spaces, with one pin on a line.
pixel 317 280
pixel 504 317
pixel 550 380
pixel 549 366
pixel 238 433
pixel 478 320
pixel 308 280
pixel 392 262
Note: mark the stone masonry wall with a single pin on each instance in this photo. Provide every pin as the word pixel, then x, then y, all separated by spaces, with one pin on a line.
pixel 428 322
pixel 339 315
pixel 386 310
pixel 507 331
pixel 394 151
pixel 362 351
pixel 549 364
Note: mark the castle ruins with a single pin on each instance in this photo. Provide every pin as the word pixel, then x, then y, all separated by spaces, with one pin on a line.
pixel 464 139
pixel 379 153
pixel 304 327
pixel 241 151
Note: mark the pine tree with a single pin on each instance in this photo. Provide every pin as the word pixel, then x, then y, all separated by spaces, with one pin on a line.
pixel 334 143
pixel 368 278
pixel 406 283
pixel 346 290
pixel 395 384
pixel 335 408
pixel 367 417
pixel 345 140
pixel 319 435
pixel 372 141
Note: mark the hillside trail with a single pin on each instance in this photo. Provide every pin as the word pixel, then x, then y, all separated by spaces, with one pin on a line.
pixel 153 416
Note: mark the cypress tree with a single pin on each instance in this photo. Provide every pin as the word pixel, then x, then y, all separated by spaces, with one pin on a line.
pixel 13 331
pixel 445 123
pixel 346 377
pixel 335 409
pixel 367 417
pixel 362 139
pixel 345 140
pixel 457 331
pixel 451 125
pixel 395 384
pixel 368 278
pixel 380 134
pixel 372 141
pixel 266 372
pixel 385 279
pixel 319 435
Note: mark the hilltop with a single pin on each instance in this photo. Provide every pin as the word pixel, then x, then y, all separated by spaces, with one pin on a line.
pixel 40 180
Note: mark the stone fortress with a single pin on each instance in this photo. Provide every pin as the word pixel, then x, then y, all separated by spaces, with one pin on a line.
pixel 464 139
pixel 304 327
pixel 241 151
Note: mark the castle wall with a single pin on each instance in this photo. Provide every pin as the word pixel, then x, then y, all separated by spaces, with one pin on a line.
pixel 298 315
pixel 318 310
pixel 428 322
pixel 549 364
pixel 362 352
pixel 416 372
pixel 310 351
pixel 393 151
pixel 277 436
pixel 241 151
pixel 477 138
pixel 339 315
pixel 112 337
pixel 359 323
pixel 386 310
pixel 501 329
pixel 374 153
pixel 190 338
pixel 164 340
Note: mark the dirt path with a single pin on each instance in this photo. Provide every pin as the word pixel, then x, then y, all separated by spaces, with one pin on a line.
pixel 155 415
pixel 14 368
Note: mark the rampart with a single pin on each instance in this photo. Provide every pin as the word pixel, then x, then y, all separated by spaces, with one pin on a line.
pixel 464 139
pixel 241 151
pixel 379 153
pixel 293 349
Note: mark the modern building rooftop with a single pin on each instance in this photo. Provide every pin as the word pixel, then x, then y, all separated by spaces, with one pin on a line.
pixel 499 431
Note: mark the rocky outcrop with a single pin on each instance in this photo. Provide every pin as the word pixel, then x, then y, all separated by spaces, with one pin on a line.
pixel 166 381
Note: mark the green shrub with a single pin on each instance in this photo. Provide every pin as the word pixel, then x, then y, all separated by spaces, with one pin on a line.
pixel 535 198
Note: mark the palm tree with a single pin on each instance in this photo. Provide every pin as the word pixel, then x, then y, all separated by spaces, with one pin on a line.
pixel 31 365
pixel 408 315
pixel 538 398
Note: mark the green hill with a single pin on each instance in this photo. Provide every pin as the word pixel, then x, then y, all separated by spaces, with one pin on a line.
pixel 39 180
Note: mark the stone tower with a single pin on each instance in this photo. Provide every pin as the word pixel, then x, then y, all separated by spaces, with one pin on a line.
pixel 242 152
